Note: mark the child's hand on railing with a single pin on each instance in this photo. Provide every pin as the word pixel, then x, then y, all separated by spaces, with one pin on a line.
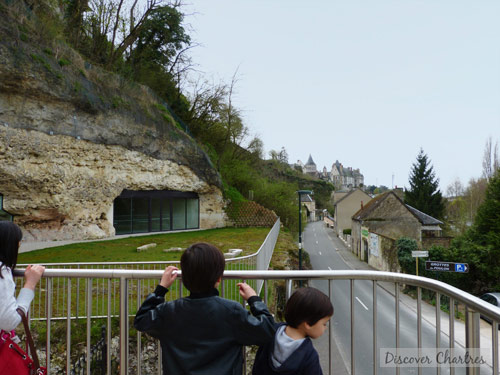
pixel 32 275
pixel 246 291
pixel 169 276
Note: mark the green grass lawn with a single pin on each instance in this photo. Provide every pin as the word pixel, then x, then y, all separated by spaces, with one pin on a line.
pixel 124 249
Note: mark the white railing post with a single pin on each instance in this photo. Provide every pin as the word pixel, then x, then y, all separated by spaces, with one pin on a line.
pixel 88 304
pixel 123 326
pixel 472 337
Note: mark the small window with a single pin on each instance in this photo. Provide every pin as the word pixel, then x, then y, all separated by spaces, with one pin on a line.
pixel 179 214
pixel 192 213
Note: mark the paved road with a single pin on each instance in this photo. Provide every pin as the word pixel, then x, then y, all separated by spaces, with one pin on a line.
pixel 324 253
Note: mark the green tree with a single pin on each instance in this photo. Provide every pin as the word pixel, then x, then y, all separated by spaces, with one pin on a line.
pixel 486 227
pixel 74 19
pixel 480 246
pixel 424 194
pixel 160 39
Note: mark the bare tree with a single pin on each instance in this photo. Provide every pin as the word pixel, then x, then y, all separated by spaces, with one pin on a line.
pixel 455 189
pixel 274 155
pixel 256 147
pixel 474 195
pixel 283 156
pixel 490 159
pixel 180 66
pixel 206 101
pixel 496 159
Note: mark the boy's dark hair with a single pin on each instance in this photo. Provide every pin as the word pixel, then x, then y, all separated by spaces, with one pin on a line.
pixel 202 265
pixel 10 236
pixel 307 305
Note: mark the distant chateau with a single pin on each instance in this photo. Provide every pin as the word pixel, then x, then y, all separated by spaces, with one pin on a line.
pixel 341 177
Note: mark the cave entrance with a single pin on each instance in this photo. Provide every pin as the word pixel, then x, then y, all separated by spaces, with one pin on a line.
pixel 155 211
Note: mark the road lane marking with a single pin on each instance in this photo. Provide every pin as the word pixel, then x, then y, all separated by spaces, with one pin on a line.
pixel 362 304
pixel 320 253
pixel 329 268
pixel 316 242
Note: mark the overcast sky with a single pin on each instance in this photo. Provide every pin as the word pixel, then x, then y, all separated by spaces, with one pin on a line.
pixel 367 83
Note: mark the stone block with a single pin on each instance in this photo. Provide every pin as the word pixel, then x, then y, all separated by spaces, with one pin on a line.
pixel 236 252
pixel 146 247
pixel 173 249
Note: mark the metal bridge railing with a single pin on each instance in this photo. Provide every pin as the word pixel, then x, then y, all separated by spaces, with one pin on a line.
pixel 134 347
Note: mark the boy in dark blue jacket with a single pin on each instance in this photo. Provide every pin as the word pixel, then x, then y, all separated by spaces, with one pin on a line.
pixel 307 313
pixel 203 334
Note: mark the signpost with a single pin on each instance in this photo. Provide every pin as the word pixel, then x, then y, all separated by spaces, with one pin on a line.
pixel 446 266
pixel 419 254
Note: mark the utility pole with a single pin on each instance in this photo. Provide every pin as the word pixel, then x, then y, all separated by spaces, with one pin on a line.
pixel 300 192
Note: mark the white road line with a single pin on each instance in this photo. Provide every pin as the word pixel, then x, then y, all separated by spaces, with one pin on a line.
pixel 320 253
pixel 362 304
pixel 329 268
pixel 316 242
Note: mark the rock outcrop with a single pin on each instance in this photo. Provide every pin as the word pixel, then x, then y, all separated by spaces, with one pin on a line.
pixel 59 187
pixel 73 137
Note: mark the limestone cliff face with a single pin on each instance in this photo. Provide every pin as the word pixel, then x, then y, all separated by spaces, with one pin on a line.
pixel 59 187
pixel 72 138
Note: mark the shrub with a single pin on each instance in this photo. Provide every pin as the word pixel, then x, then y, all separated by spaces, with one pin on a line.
pixel 64 62
pixel 118 102
pixel 42 61
pixel 405 246
pixel 77 87
pixel 233 194
pixel 347 231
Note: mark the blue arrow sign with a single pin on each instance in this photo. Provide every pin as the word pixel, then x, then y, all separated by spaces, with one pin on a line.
pixel 461 267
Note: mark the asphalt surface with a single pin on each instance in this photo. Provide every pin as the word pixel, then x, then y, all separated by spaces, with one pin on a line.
pixel 328 252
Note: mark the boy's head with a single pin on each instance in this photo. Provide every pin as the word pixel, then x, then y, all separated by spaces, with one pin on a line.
pixel 202 266
pixel 307 305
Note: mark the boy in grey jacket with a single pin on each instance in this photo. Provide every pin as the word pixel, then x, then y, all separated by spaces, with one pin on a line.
pixel 203 333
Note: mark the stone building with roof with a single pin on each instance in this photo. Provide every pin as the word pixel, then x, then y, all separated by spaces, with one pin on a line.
pixel 310 205
pixel 347 206
pixel 383 220
pixel 345 178
pixel 310 167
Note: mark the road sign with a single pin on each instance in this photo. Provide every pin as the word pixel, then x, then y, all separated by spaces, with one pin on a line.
pixel 419 254
pixel 461 267
pixel 446 266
